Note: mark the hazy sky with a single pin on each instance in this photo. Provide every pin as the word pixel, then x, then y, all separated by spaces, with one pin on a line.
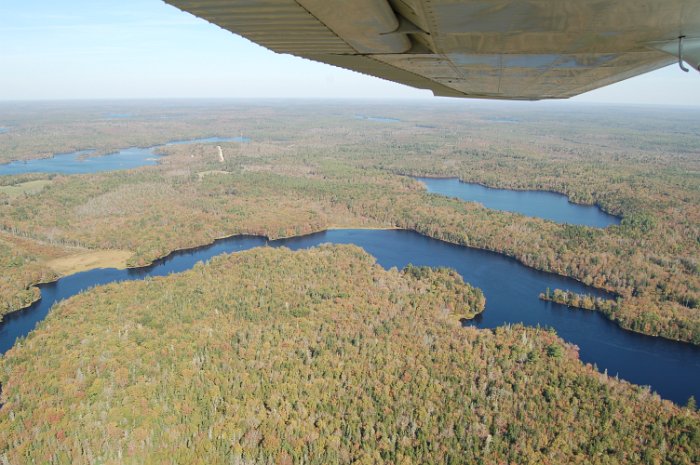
pixel 87 49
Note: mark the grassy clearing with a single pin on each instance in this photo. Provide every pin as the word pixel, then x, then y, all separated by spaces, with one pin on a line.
pixel 29 188
pixel 84 261
pixel 206 173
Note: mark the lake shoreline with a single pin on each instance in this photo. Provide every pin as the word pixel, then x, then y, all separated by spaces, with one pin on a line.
pixel 270 238
pixel 514 189
pixel 396 248
pixel 93 153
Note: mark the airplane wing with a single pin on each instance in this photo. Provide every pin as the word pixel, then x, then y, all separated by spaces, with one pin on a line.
pixel 505 49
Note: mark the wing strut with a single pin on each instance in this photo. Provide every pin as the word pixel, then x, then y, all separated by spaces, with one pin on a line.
pixel 680 54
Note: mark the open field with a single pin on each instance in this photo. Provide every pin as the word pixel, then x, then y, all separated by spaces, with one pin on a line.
pixel 83 261
pixel 28 188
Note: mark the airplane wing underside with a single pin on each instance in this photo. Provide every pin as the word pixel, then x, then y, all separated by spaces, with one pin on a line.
pixel 507 49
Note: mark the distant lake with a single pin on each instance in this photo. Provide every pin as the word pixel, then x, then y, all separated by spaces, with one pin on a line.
pixel 540 204
pixel 671 368
pixel 80 162
pixel 378 119
pixel 501 119
pixel 3 130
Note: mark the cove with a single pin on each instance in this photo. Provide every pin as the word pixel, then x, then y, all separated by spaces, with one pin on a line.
pixel 80 163
pixel 671 368
pixel 541 204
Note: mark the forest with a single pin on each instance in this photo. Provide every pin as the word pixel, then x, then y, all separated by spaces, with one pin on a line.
pixel 310 166
pixel 318 357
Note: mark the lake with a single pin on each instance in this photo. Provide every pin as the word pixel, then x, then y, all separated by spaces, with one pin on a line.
pixel 671 368
pixel 378 119
pixel 540 204
pixel 501 119
pixel 81 163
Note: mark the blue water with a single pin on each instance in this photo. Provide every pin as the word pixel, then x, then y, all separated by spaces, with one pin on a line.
pixel 540 204
pixel 501 119
pixel 671 368
pixel 124 159
pixel 378 119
